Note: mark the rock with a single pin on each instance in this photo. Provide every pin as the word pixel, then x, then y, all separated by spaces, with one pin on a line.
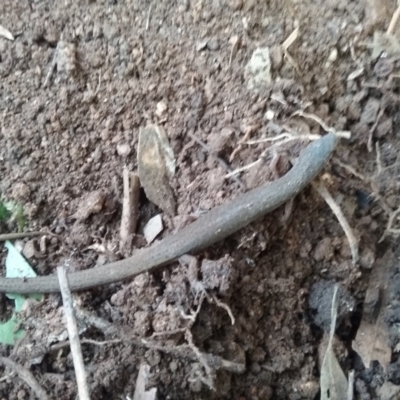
pixel 21 191
pixel 384 128
pixel 370 111
pixel 323 250
pixel 66 58
pixel 91 203
pixel 257 72
pixel 161 108
pixel 218 141
pixel 213 44
pixel 29 251
pixel 109 31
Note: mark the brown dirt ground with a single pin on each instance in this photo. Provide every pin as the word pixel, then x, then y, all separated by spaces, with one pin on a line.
pixel 116 62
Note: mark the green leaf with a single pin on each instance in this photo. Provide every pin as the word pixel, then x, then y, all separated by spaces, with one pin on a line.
pixel 17 214
pixel 16 267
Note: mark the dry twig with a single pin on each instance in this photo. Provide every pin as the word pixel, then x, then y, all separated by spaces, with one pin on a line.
pixel 394 19
pixel 20 235
pixel 353 243
pixel 249 130
pixel 148 18
pixel 130 207
pixel 350 392
pixel 223 305
pixel 286 44
pixel 51 68
pixel 324 126
pixel 73 334
pixel 26 376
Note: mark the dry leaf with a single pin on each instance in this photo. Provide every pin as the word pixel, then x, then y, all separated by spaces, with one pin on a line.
pixel 140 390
pixel 6 33
pixel 371 343
pixel 372 340
pixel 156 167
pixel 333 381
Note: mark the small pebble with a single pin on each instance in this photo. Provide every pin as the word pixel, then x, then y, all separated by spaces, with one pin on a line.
pixel 21 191
pixel 333 56
pixel 29 250
pixel 161 108
pixel 123 149
pixel 213 44
pixel 269 115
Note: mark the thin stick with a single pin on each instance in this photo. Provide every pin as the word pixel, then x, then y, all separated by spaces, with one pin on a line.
pixel 393 21
pixel 322 124
pixel 350 390
pixel 350 169
pixel 130 207
pixel 209 379
pixel 83 389
pixel 52 67
pixel 20 235
pixel 148 18
pixel 247 134
pixel 378 159
pixel 26 376
pixel 372 130
pixel 392 217
pixel 286 135
pixel 225 306
pixel 323 191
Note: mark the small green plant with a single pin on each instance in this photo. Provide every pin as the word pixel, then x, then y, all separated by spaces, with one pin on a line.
pixel 13 211
pixel 3 211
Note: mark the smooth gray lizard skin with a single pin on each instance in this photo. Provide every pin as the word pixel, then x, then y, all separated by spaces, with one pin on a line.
pixel 215 225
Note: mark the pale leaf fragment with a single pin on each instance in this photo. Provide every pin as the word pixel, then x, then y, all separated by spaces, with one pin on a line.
pixel 153 228
pixel 140 391
pixel 290 40
pixel 6 33
pixel 234 41
pixel 333 381
pixel 371 343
